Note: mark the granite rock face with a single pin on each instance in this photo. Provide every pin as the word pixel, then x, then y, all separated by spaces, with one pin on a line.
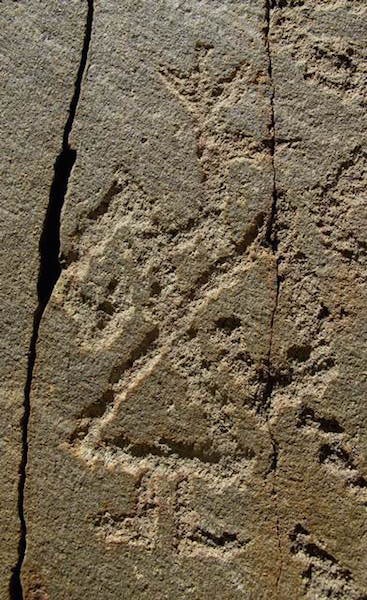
pixel 197 411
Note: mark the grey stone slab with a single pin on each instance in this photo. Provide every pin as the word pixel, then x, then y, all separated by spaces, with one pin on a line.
pixel 197 417
pixel 150 465
pixel 39 54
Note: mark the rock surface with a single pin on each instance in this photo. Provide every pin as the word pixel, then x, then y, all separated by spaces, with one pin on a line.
pixel 198 422
pixel 39 54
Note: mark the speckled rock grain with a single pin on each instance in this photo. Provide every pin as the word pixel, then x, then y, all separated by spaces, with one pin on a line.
pixel 198 420
pixel 39 53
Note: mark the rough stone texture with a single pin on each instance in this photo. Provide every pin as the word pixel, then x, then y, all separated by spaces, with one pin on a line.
pixel 198 424
pixel 319 339
pixel 39 53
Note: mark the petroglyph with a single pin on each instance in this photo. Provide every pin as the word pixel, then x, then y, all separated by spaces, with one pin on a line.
pixel 194 410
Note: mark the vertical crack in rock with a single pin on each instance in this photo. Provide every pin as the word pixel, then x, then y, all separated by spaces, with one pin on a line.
pixel 272 242
pixel 49 272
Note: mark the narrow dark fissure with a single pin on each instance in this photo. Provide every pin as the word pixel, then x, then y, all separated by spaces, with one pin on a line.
pixel 49 272
pixel 270 234
pixel 271 241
